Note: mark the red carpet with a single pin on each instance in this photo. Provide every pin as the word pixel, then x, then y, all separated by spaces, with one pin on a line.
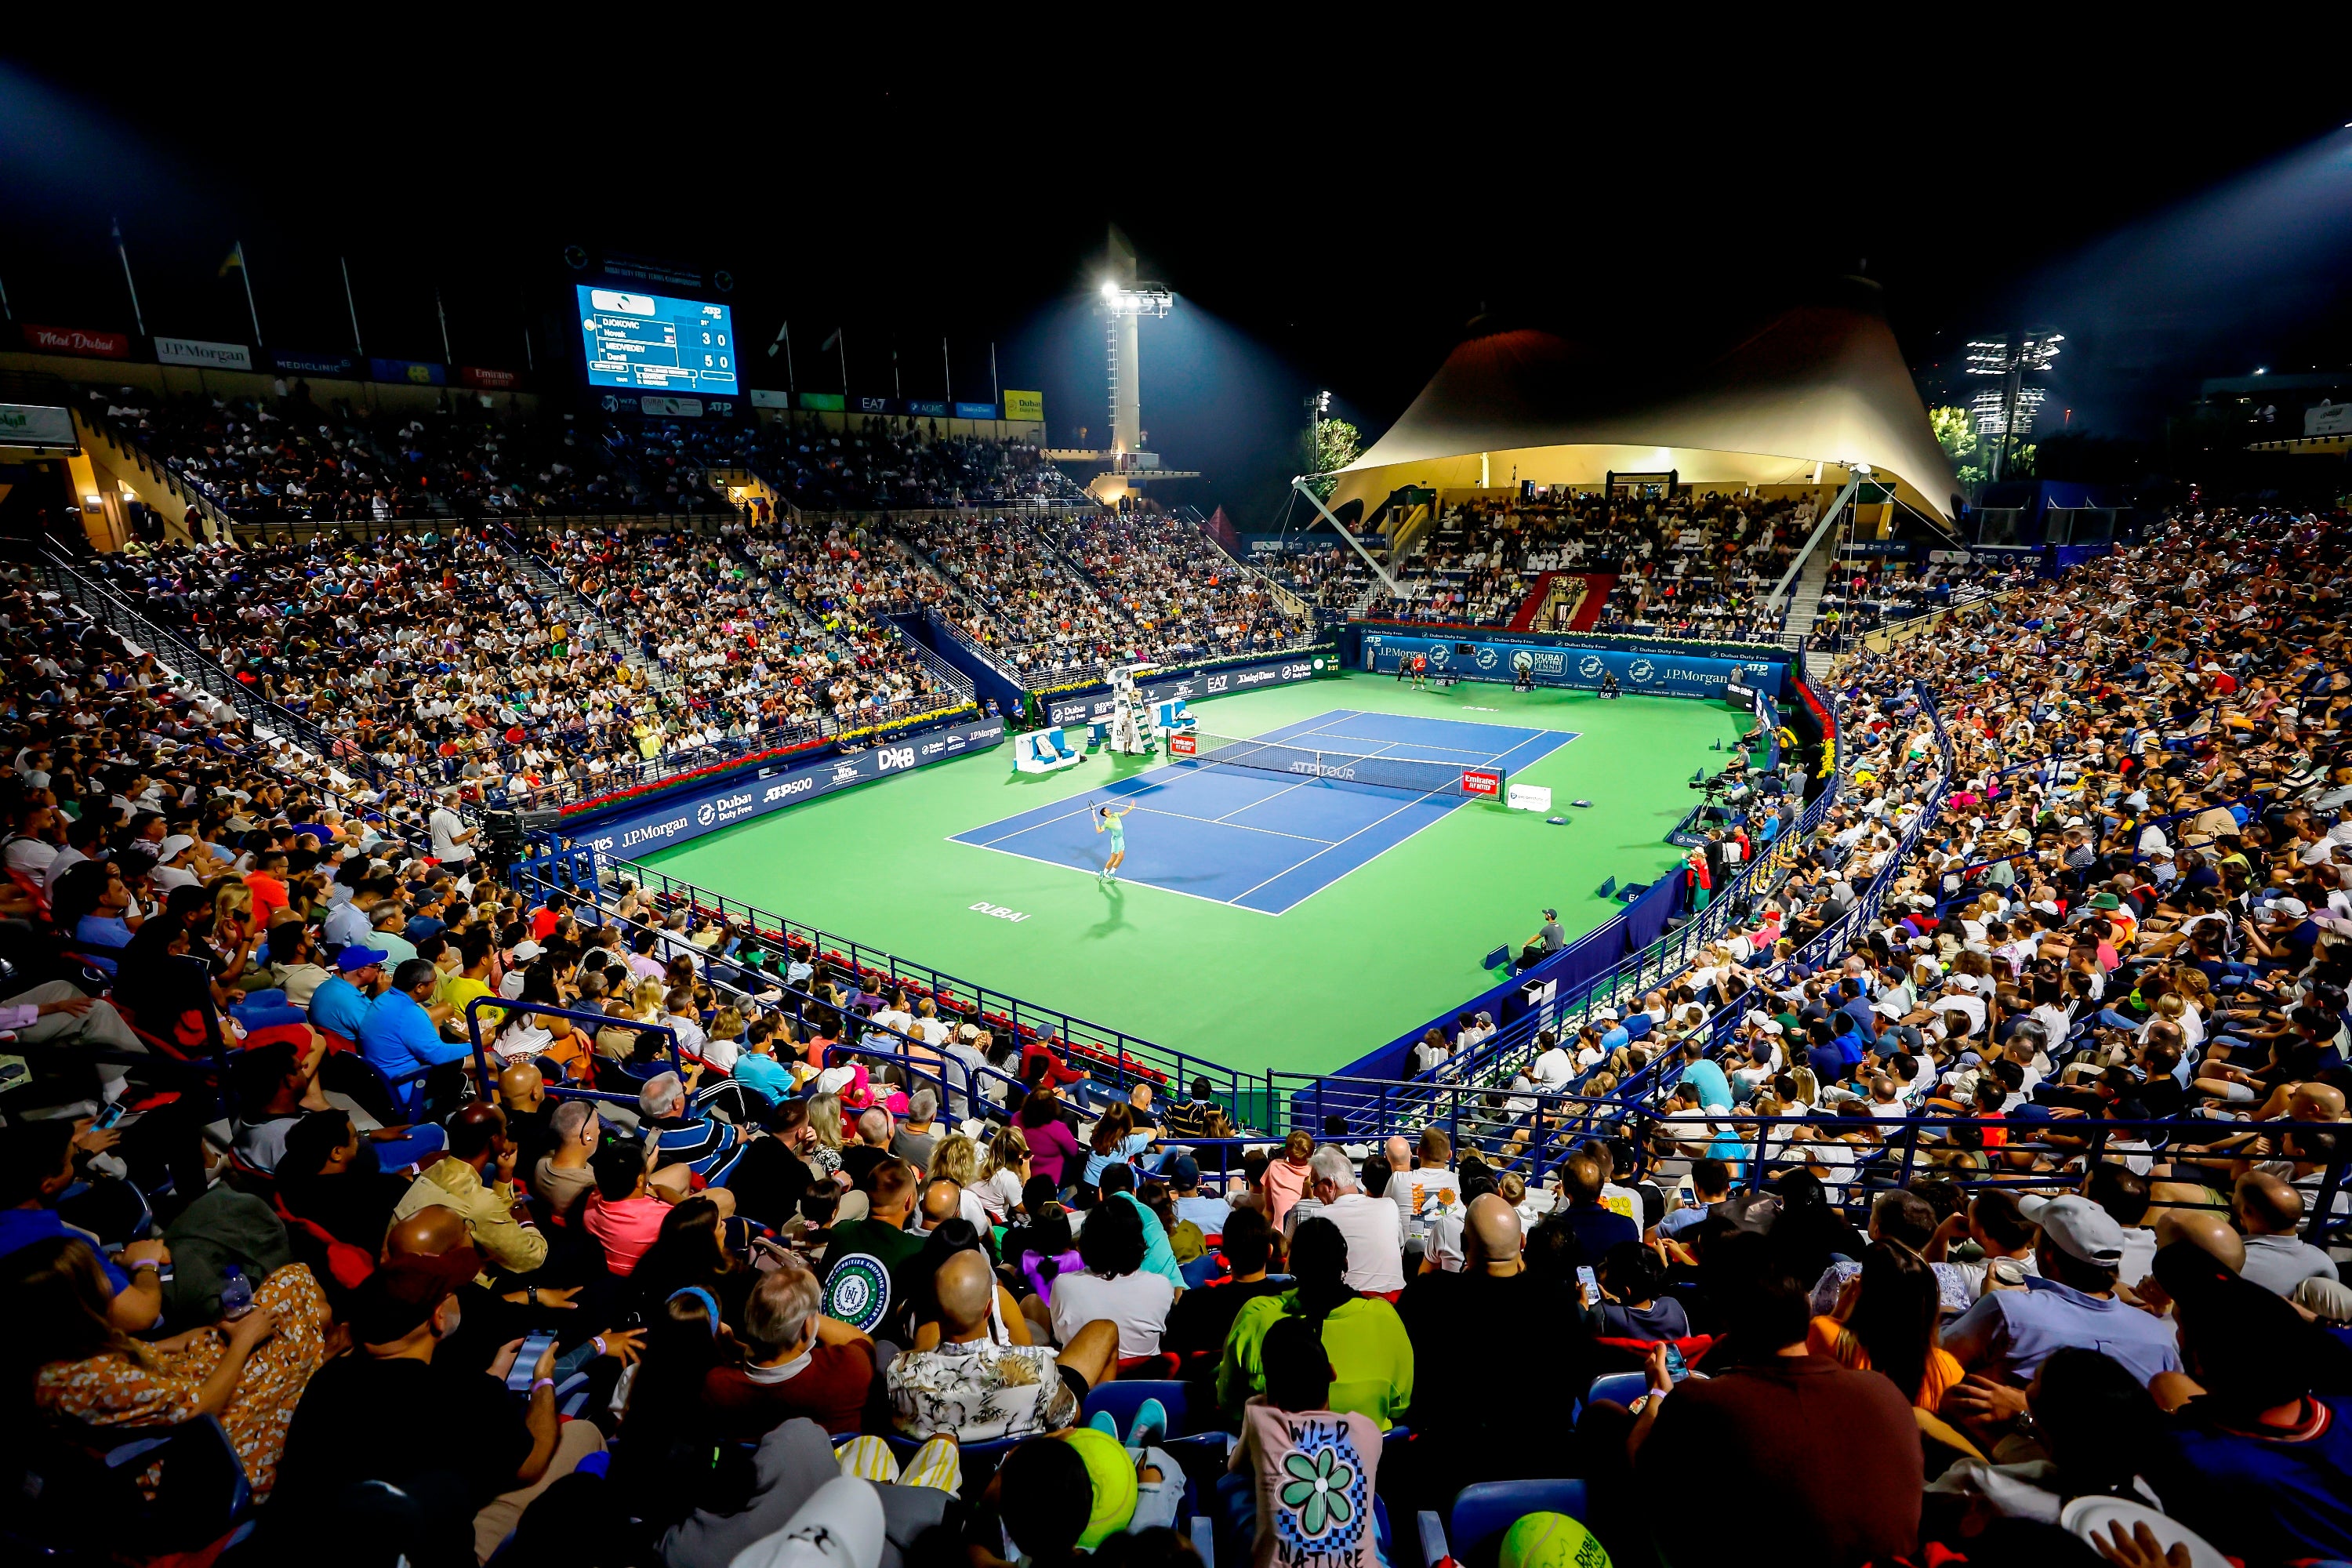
pixel 1598 586
pixel 1536 592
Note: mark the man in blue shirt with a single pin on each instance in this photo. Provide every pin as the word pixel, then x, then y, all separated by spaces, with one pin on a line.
pixel 344 999
pixel 402 1034
pixel 1713 1089
pixel 2004 1339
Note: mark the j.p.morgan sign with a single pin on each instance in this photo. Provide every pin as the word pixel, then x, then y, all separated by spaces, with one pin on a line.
pixel 690 814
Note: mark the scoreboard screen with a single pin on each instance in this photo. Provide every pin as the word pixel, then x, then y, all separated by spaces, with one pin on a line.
pixel 650 342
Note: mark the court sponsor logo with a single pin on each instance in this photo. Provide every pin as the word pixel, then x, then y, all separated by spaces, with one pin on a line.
pixel 888 757
pixel 1480 780
pixel 652 832
pixel 1323 771
pixel 1642 669
pixel 1000 912
pixel 1219 682
pixel 1488 658
pixel 1590 667
pixel 794 786
pixel 1257 677
pixel 1524 662
pixel 845 773
pixel 708 814
pixel 1438 655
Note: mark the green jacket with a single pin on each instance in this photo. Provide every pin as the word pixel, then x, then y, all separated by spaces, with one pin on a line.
pixel 1372 1359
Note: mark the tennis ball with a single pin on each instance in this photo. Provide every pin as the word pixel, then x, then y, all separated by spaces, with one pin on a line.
pixel 1551 1540
pixel 1113 1475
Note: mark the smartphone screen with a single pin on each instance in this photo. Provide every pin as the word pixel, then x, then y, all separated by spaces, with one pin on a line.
pixel 1588 1284
pixel 526 1361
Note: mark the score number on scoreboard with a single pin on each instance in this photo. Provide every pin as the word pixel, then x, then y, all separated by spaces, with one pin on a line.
pixel 651 342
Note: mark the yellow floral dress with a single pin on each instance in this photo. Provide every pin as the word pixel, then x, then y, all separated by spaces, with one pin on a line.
pixel 112 1390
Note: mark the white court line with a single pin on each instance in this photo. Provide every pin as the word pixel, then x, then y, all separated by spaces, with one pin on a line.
pixel 1112 790
pixel 1131 881
pixel 1367 827
pixel 1238 826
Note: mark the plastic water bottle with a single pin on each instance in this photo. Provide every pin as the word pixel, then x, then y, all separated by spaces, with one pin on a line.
pixel 236 1294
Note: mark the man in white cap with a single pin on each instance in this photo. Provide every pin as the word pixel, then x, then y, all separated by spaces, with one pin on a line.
pixel 2004 1339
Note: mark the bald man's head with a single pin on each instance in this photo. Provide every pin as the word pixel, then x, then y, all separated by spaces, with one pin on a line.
pixel 2209 1230
pixel 2316 1103
pixel 2266 1205
pixel 427 1233
pixel 943 1200
pixel 1490 1234
pixel 520 1087
pixel 966 1287
pixel 1400 1153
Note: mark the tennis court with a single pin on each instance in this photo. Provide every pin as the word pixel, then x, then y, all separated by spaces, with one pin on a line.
pixel 1267 822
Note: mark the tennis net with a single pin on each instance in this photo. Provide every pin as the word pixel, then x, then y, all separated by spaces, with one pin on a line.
pixel 1424 775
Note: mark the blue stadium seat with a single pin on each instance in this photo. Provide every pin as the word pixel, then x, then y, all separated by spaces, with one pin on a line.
pixel 1481 1513
pixel 1625 1387
pixel 1061 745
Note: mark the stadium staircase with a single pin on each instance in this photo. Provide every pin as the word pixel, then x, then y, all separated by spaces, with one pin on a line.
pixel 1538 598
pixel 1598 586
pixel 594 629
pixel 1805 608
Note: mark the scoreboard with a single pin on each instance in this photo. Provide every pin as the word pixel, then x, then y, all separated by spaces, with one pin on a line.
pixel 651 342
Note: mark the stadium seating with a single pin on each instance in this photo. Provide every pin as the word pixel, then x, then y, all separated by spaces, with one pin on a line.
pixel 2069 921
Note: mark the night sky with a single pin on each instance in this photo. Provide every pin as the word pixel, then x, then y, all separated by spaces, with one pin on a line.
pixel 1333 224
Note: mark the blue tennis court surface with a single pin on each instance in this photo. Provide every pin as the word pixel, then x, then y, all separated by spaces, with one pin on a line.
pixel 1268 841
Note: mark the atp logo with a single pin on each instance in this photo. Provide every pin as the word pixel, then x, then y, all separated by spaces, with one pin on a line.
pixel 1642 671
pixel 1590 667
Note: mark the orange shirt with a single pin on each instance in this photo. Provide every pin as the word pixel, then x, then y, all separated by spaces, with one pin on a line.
pixel 268 895
pixel 1828 1336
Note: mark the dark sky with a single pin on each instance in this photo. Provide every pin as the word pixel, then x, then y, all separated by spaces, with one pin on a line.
pixel 1332 224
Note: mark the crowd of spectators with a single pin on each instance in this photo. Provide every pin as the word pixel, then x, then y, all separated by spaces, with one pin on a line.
pixel 1862 595
pixel 1952 1189
pixel 289 457
pixel 1071 592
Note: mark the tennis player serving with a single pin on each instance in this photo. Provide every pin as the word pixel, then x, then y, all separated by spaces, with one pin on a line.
pixel 1107 821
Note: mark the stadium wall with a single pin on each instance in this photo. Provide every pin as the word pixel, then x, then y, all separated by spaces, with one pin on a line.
pixel 1659 672
pixel 1085 704
pixel 640 829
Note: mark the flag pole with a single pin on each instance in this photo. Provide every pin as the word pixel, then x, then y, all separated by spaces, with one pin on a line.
pixel 251 309
pixel 128 281
pixel 947 375
pixel 358 345
pixel 792 387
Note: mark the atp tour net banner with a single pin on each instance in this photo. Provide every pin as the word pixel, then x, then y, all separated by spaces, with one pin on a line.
pixel 690 814
pixel 1657 675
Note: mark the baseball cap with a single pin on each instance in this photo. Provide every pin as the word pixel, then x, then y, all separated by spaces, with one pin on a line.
pixel 1183 1171
pixel 2077 1226
pixel 1607 1012
pixel 177 844
pixel 840 1526
pixel 1551 914
pixel 526 951
pixel 397 1299
pixel 354 956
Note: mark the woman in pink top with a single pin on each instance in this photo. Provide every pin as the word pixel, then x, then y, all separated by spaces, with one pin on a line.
pixel 1286 1179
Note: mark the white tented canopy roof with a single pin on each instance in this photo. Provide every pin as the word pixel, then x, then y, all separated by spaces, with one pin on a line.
pixel 1800 399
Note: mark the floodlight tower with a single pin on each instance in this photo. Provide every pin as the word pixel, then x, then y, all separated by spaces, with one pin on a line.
pixel 1125 303
pixel 2009 410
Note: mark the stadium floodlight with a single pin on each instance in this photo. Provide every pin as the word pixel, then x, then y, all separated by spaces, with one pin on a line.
pixel 1143 299
pixel 2009 413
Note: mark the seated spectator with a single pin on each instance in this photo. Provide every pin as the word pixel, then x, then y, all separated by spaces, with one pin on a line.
pixel 330 1175
pixel 2005 1337
pixel 401 1035
pixel 976 1386
pixel 1779 1408
pixel 345 1000
pixel 2268 1210
pixel 797 1362
pixel 37 1171
pixel 866 1283
pixel 564 1177
pixel 1372 1358
pixel 1201 1318
pixel 1463 1432
pixel 679 1135
pixel 494 1212
pixel 1885 1319
pixel 1115 1286
pixel 386 1410
pixel 1631 1279
pixel 1313 1469
pixel 1375 1245
pixel 1597 1227
pixel 2257 1455
pixel 622 1214
pixel 248 1372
